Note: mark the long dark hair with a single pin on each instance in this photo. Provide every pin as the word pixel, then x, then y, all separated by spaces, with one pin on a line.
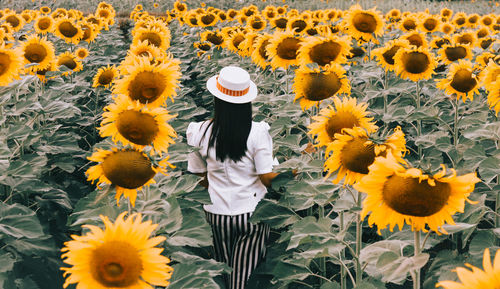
pixel 231 126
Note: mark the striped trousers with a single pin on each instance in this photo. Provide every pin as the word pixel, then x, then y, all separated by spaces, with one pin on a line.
pixel 238 243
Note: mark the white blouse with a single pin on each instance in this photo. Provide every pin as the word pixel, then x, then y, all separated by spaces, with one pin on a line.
pixel 234 187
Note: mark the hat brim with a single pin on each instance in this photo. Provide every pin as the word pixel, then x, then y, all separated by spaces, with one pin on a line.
pixel 251 94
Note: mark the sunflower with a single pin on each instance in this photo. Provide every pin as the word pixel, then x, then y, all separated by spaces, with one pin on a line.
pixel 207 19
pixel 132 123
pixel 58 13
pixel 66 29
pixel 247 45
pixel 70 61
pixel 460 81
pixel 231 14
pixel 477 278
pixel 45 10
pixel 256 23
pixel 81 52
pixel 155 37
pixel 346 114
pixel 16 21
pixel 450 53
pixel 214 37
pixel 466 38
pixel 473 20
pixel 107 15
pixel 494 96
pixel 105 76
pixel 27 16
pixel 430 24
pixel 233 42
pixel 150 83
pixel 438 42
pixel 297 24
pixel 485 43
pixel 397 195
pixel 385 55
pixel 142 48
pixel 313 86
pixel 203 46
pixel 394 15
pixel 459 20
pixel 129 170
pixel 487 20
pixel 352 152
pixel 89 31
pixel 482 32
pixel 120 256
pixel 446 13
pixel 364 24
pixel 259 53
pixel 490 74
pixel 44 24
pixel 483 59
pixel 416 39
pixel 37 50
pixel 414 63
pixel 283 48
pixel 279 22
pixel 408 23
pixel 180 7
pixel 324 50
pixel 11 64
pixel 447 28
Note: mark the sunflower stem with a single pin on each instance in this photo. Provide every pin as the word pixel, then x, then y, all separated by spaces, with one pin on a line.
pixel 416 280
pixel 343 277
pixel 359 232
pixel 419 121
pixel 385 94
pixel 455 124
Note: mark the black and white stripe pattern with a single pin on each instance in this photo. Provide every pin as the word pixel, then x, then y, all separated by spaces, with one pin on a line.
pixel 238 243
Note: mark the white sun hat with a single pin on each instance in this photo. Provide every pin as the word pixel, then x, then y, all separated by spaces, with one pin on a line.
pixel 233 85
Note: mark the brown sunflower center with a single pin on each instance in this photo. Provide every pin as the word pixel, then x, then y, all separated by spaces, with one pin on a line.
pixel 465 39
pixel 298 25
pixel 128 169
pixel 281 22
pixel 442 41
pixel 67 61
pixel 415 39
pixel 207 19
pixel 35 52
pixel 13 21
pixel 447 29
pixel 408 196
pixel 262 49
pixel 473 19
pixel 482 33
pixel 287 48
pixel 137 127
pixel 319 86
pixel 106 77
pixel 257 24
pixel 237 40
pixel 340 121
pixel 460 21
pixel 389 54
pixel 409 24
pixel 116 264
pixel 152 38
pixel 67 29
pixel 430 24
pixel 485 43
pixel 86 32
pixel 103 13
pixel 415 62
pixel 81 53
pixel 312 31
pixel 356 51
pixel 325 52
pixel 44 23
pixel 4 62
pixel 215 39
pixel 356 156
pixel 463 81
pixel 455 53
pixel 147 86
pixel 364 22
pixel 487 21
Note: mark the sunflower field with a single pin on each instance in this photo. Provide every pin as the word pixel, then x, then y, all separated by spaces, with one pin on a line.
pixel 388 110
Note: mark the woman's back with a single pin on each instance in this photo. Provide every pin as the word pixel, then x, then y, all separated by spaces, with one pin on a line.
pixel 234 187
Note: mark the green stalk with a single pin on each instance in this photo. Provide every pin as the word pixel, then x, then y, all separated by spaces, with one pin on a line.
pixel 359 232
pixel 385 94
pixel 343 277
pixel 416 280
pixel 322 260
pixel 455 125
pixel 419 121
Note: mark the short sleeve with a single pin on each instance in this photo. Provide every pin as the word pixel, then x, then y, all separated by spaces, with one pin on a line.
pixel 196 163
pixel 263 153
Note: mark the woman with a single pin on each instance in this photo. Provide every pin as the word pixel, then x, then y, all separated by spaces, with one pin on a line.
pixel 235 158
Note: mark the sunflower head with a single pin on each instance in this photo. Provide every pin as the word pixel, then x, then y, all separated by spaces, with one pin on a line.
pixel 364 23
pixel 67 29
pixel 416 39
pixel 313 86
pixel 70 61
pixel 465 38
pixel 207 19
pixel 283 49
pixel 414 63
pixel 461 80
pixel 120 256
pixel 14 20
pixel 280 22
pixel 214 37
pixel 323 50
pixel 37 50
pixel 154 35
pixel 408 23
pixel 297 24
pixel 259 54
pixel 105 76
pixel 11 64
pixel 385 55
pixel 453 52
pixel 44 24
pixel 430 24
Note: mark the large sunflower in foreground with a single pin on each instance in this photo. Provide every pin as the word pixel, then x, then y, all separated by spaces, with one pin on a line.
pixel 397 195
pixel 105 76
pixel 283 49
pixel 460 81
pixel 352 152
pixel 11 64
pixel 67 29
pixel 346 114
pixel 324 50
pixel 150 83
pixel 132 123
pixel 129 170
pixel 37 50
pixel 489 277
pixel 414 63
pixel 490 74
pixel 494 95
pixel 120 256
pixel 312 86
pixel 385 55
pixel 364 24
